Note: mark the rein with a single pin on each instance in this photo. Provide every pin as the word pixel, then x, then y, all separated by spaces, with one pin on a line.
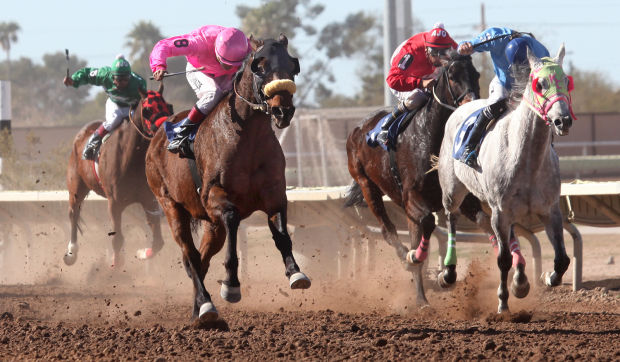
pixel 263 107
pixel 133 123
pixel 456 100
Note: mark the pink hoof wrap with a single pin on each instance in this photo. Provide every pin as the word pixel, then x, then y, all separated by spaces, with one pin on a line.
pixel 515 250
pixel 422 251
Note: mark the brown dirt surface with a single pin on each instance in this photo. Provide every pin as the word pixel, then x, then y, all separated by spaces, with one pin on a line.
pixel 49 311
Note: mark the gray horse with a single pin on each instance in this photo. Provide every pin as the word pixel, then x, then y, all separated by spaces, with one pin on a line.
pixel 518 170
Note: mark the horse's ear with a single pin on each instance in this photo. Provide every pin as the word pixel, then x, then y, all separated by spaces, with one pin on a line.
pixel 283 40
pixel 142 93
pixel 161 88
pixel 255 43
pixel 532 59
pixel 560 57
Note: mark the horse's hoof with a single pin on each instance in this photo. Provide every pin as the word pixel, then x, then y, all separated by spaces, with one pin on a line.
pixel 520 290
pixel 145 253
pixel 411 259
pixel 207 312
pixel 548 279
pixel 299 280
pixel 70 258
pixel 230 294
pixel 502 309
pixel 447 278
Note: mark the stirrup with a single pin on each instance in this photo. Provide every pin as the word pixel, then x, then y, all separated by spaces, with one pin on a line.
pixel 382 136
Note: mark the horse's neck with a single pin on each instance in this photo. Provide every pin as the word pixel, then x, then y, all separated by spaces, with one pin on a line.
pixel 529 139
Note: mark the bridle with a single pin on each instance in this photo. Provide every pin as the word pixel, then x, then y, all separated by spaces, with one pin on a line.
pixel 456 100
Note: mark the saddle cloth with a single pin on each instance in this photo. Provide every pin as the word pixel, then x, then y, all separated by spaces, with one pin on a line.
pixel 371 136
pixel 464 133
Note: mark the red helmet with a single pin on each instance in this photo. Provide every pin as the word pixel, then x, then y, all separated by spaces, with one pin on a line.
pixel 438 37
pixel 231 46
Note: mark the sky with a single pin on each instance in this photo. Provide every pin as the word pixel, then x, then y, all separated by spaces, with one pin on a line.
pixel 96 31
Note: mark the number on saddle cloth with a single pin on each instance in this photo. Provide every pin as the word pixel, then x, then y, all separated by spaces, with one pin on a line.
pixel 395 128
pixel 464 133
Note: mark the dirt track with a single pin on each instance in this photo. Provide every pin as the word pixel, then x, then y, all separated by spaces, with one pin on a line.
pixel 142 312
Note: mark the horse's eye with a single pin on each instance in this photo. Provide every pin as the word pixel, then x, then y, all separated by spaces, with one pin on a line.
pixel 540 84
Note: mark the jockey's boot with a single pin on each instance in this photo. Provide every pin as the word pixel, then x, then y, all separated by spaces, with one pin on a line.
pixel 490 112
pixel 181 142
pixel 93 144
pixel 400 108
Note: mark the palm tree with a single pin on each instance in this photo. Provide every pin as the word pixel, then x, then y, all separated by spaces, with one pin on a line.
pixel 8 35
pixel 141 40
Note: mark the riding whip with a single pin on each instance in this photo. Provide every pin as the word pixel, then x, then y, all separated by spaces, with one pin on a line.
pixel 177 73
pixel 67 56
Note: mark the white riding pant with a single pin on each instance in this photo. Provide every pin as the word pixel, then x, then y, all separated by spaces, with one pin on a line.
pixel 412 99
pixel 497 92
pixel 208 90
pixel 114 115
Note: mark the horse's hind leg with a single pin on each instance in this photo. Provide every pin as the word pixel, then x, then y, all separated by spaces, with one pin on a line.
pixel 520 286
pixel 277 225
pixel 115 209
pixel 179 222
pixel 553 228
pixel 373 197
pixel 502 227
pixel 77 192
pixel 152 213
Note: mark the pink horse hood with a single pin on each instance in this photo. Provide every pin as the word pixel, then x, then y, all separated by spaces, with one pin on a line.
pixel 198 47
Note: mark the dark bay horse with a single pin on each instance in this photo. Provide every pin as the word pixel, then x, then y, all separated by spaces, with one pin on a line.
pixel 419 193
pixel 240 165
pixel 120 175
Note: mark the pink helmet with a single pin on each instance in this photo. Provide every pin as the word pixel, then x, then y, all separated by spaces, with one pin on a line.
pixel 231 46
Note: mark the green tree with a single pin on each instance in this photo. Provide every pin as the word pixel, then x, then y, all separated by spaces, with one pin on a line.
pixel 8 35
pixel 140 41
pixel 593 92
pixel 337 40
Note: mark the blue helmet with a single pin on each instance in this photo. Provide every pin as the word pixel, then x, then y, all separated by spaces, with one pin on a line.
pixel 516 51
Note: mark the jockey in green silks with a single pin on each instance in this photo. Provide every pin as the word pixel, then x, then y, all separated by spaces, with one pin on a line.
pixel 122 87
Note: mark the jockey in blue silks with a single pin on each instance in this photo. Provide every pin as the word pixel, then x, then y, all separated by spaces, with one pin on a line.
pixel 507 47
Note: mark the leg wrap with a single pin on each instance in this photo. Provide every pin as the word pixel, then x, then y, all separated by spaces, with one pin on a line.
pixel 515 250
pixel 422 251
pixel 451 253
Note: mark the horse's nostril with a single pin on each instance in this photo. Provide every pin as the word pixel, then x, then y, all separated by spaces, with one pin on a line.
pixel 278 112
pixel 557 122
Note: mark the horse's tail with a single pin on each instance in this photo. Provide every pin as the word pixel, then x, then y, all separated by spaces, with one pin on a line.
pixel 434 163
pixel 354 196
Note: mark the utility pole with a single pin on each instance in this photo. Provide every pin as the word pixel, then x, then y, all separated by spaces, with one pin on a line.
pixel 483 22
pixel 397 27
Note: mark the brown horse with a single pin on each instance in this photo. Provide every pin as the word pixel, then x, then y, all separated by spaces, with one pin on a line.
pixel 406 179
pixel 118 175
pixel 240 165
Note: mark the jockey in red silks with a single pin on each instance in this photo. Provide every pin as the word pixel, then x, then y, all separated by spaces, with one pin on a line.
pixel 221 51
pixel 413 65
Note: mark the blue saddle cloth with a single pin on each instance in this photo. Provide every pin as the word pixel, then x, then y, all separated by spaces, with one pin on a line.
pixel 464 133
pixel 172 129
pixel 371 136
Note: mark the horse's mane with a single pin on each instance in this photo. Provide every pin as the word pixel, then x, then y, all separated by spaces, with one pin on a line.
pixel 520 78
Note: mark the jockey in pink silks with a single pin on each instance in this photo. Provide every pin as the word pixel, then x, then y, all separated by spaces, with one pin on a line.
pixel 221 51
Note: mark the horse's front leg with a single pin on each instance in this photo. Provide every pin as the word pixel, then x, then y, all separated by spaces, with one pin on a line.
pixel 447 277
pixel 419 253
pixel 501 227
pixel 277 225
pixel 555 233
pixel 219 207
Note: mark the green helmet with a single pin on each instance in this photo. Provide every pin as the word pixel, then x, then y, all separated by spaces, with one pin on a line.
pixel 121 66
